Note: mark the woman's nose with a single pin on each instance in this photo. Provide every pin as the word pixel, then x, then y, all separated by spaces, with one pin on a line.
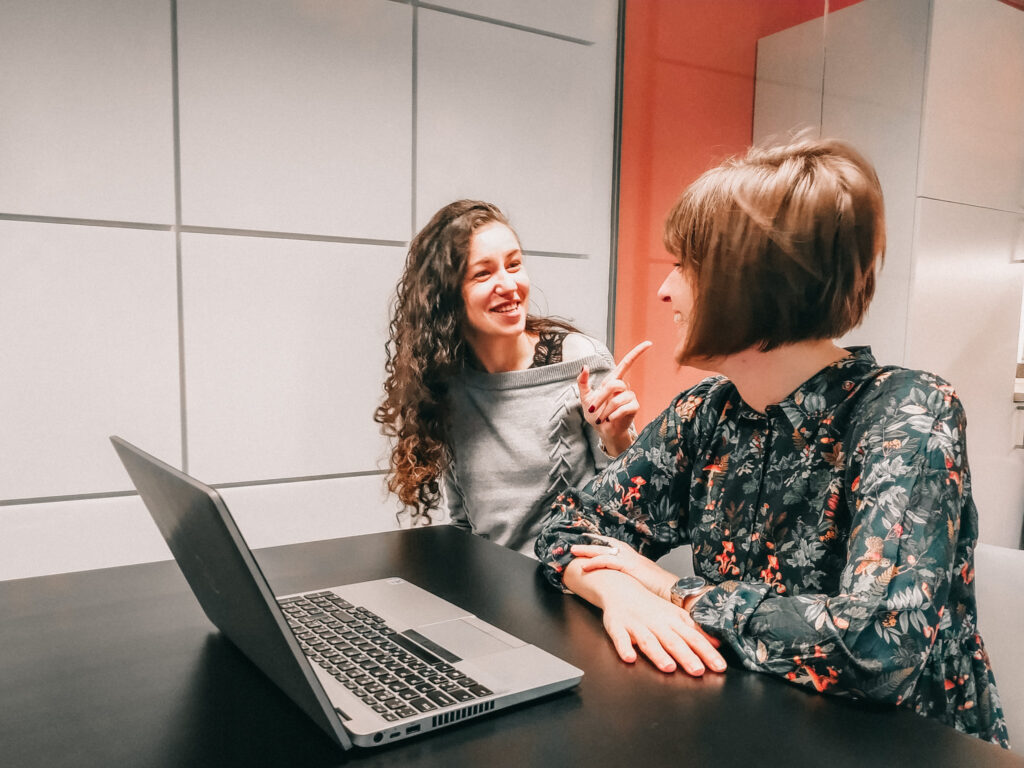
pixel 506 282
pixel 663 289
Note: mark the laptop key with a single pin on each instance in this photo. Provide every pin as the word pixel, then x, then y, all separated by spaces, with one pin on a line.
pixel 462 695
pixel 423 705
pixel 441 699
pixel 479 690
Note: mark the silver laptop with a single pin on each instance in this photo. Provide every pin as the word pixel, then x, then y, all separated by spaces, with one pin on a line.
pixel 370 663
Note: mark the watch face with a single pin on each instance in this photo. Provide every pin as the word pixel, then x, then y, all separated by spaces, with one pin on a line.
pixel 689 584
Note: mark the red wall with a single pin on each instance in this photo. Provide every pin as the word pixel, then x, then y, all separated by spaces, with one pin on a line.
pixel 688 102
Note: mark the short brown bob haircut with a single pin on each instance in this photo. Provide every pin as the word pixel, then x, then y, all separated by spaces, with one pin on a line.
pixel 780 246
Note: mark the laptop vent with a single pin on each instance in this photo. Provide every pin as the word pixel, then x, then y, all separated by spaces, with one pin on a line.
pixel 459 714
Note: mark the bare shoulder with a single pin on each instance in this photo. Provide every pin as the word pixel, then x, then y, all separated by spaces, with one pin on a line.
pixel 578 345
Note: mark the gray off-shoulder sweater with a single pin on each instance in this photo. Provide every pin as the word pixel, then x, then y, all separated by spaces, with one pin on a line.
pixel 519 439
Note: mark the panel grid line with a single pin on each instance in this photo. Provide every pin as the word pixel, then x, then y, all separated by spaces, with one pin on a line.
pixel 501 23
pixel 179 272
pixel 153 227
pixel 186 229
pixel 613 248
pixel 415 116
pixel 86 222
pixel 236 484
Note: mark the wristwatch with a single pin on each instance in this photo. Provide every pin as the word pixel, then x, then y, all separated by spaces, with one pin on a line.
pixel 687 587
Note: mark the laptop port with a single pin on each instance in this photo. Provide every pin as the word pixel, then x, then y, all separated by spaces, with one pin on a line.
pixel 378 738
pixel 412 729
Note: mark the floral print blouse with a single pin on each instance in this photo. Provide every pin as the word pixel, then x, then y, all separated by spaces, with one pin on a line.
pixel 838 529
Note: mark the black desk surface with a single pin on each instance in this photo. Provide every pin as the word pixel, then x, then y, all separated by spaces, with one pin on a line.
pixel 119 667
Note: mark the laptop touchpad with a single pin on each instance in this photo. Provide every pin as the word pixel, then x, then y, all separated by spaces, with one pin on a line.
pixel 463 639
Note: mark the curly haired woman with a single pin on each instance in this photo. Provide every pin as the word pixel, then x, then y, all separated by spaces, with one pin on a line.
pixel 485 399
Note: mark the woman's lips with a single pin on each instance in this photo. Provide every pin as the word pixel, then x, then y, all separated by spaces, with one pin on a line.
pixel 506 308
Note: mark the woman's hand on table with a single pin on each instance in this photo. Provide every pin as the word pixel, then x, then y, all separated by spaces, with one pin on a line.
pixel 635 616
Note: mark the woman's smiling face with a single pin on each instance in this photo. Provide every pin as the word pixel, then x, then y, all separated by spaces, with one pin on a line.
pixel 495 288
pixel 677 289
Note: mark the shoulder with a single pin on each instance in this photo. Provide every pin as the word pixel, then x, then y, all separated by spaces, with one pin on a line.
pixel 909 411
pixel 705 397
pixel 576 346
pixel 895 392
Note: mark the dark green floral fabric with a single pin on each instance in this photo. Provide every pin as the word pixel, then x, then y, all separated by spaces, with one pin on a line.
pixel 838 528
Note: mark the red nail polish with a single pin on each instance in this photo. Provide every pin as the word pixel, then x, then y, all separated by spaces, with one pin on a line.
pixel 591 410
pixel 598 421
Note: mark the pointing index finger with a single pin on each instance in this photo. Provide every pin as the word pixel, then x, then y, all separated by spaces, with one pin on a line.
pixel 630 357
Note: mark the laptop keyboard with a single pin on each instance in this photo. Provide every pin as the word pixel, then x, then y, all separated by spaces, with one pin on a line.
pixel 395 676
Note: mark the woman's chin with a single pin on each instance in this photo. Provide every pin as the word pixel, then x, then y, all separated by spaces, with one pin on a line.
pixel 511 325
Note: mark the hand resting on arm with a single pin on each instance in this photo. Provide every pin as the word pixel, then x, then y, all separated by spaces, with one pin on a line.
pixel 635 614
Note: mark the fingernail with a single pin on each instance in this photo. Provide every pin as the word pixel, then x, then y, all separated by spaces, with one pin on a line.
pixel 591 409
pixel 598 421
pixel 718 665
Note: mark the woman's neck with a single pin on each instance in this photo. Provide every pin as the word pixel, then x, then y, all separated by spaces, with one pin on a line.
pixel 497 355
pixel 766 378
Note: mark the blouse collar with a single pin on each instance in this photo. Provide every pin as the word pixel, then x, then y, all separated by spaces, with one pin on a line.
pixel 821 393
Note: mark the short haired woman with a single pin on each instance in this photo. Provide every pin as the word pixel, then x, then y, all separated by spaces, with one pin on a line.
pixel 827 498
pixel 484 397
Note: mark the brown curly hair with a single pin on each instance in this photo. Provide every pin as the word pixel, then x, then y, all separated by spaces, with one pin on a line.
pixel 427 348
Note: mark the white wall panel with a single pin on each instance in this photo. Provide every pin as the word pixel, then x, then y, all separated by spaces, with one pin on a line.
pixel 296 117
pixel 964 314
pixel 1000 572
pixel 874 81
pixel 88 347
pixel 581 19
pixel 569 288
pixel 787 90
pixel 284 359
pixel 299 117
pixel 972 147
pixel 85 122
pixel 530 130
pixel 77 536
pixel 885 325
pixel 287 513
